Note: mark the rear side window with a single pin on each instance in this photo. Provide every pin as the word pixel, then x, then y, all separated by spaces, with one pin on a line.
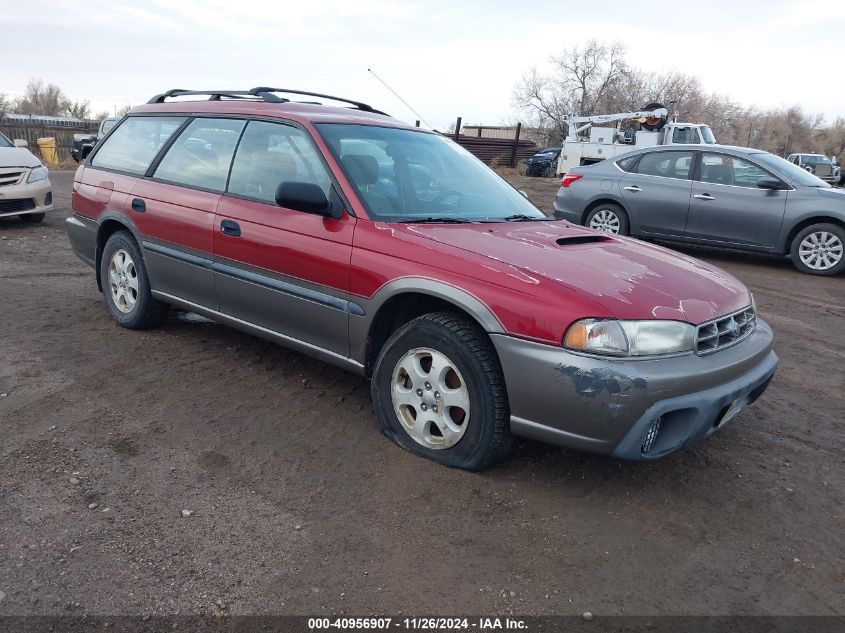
pixel 202 154
pixel 666 164
pixel 272 153
pixel 133 145
pixel 627 164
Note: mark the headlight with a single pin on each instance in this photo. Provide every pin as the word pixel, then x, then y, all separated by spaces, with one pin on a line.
pixel 629 338
pixel 39 173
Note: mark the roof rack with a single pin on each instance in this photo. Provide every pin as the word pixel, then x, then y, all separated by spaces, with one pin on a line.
pixel 261 92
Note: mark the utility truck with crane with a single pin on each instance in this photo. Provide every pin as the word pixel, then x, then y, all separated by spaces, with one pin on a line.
pixel 590 141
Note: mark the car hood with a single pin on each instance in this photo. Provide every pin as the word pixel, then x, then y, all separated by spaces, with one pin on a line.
pixel 632 279
pixel 17 157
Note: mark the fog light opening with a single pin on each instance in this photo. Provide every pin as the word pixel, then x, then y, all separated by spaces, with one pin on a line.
pixel 651 436
pixel 48 199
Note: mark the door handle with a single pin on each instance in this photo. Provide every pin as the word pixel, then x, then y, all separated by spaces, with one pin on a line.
pixel 231 228
pixel 633 188
pixel 139 205
pixel 704 196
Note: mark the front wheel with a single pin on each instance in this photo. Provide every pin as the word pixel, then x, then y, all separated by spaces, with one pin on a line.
pixel 438 391
pixel 608 218
pixel 819 249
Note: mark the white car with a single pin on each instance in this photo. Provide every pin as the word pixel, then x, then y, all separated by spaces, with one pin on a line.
pixel 25 188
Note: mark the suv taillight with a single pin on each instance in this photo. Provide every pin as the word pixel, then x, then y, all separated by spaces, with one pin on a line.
pixel 568 179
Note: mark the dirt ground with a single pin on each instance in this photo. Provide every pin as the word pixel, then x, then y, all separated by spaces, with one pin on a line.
pixel 299 505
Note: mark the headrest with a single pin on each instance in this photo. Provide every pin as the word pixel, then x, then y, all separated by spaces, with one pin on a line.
pixel 362 168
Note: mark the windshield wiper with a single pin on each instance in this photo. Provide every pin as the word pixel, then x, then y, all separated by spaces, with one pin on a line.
pixel 520 217
pixel 435 220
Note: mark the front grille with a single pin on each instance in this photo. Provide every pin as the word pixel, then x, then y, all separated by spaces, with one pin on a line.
pixel 725 331
pixel 10 206
pixel 11 176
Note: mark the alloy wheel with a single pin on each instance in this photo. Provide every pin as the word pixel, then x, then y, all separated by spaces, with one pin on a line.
pixel 431 398
pixel 123 281
pixel 821 250
pixel 606 221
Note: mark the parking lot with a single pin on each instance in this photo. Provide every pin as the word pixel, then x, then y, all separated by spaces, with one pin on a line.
pixel 297 504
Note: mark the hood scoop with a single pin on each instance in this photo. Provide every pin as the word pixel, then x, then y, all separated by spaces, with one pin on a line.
pixel 573 240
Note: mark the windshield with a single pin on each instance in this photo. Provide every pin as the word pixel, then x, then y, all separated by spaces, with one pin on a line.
pixel 4 142
pixel 791 171
pixel 707 135
pixel 815 159
pixel 408 176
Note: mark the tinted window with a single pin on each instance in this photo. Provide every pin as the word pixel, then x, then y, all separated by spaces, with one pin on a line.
pixel 789 171
pixel 666 164
pixel 721 169
pixel 626 164
pixel 135 143
pixel 201 155
pixel 270 154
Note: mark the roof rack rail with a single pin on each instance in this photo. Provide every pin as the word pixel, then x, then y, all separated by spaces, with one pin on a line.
pixel 261 92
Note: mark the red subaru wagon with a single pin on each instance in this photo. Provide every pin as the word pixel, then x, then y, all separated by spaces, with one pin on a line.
pixel 389 250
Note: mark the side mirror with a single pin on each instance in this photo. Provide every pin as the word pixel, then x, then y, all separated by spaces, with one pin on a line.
pixel 768 182
pixel 306 197
pixel 19 142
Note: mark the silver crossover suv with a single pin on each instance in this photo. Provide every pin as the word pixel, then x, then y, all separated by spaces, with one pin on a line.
pixel 732 197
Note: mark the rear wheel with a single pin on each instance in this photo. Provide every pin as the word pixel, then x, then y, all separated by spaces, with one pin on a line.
pixel 608 218
pixel 126 286
pixel 819 249
pixel 32 218
pixel 438 391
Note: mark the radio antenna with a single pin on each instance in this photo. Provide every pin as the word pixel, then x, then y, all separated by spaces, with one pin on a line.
pixel 370 70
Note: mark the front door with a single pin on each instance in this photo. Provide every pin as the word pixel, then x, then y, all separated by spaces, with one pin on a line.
pixel 657 192
pixel 281 269
pixel 728 207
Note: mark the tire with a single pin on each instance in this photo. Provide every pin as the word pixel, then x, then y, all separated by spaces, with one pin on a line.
pixel 127 291
pixel 819 249
pixel 471 376
pixel 608 218
pixel 32 218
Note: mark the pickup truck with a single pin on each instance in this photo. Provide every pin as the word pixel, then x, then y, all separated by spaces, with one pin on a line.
pixel 84 143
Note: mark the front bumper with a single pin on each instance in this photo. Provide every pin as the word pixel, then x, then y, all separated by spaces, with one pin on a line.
pixel 608 406
pixel 26 198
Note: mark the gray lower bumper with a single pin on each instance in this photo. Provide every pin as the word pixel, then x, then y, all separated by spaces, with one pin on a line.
pixel 82 234
pixel 608 405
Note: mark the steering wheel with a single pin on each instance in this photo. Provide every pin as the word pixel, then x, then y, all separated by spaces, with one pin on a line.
pixel 444 196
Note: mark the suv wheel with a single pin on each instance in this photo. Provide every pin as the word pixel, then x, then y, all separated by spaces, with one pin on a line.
pixel 439 392
pixel 126 286
pixel 608 218
pixel 819 249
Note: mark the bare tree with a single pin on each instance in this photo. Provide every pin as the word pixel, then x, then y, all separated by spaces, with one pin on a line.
pixel 5 104
pixel 78 109
pixel 41 98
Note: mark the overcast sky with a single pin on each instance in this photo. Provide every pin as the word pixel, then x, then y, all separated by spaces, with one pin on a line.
pixel 446 58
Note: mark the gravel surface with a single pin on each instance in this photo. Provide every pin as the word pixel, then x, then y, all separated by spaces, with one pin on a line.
pixel 195 469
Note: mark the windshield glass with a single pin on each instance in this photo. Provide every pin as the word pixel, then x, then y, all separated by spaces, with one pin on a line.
pixel 815 159
pixel 406 176
pixel 707 135
pixel 4 142
pixel 790 171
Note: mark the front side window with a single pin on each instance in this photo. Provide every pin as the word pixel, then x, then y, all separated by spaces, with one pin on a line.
pixel 411 176
pixel 666 164
pixel 790 172
pixel 202 154
pixel 270 154
pixel 133 145
pixel 721 169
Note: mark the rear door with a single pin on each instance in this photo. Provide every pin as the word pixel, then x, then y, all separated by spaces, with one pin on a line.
pixel 657 192
pixel 175 208
pixel 728 207
pixel 281 269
